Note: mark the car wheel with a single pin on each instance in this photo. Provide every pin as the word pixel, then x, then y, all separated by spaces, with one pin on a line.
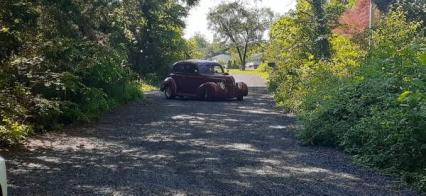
pixel 168 92
pixel 207 95
pixel 240 98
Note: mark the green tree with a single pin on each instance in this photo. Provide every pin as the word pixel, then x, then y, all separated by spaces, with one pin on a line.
pixel 239 26
pixel 321 29
pixel 415 9
pixel 198 47
pixel 63 61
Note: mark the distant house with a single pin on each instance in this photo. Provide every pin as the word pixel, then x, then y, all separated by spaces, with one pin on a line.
pixel 221 58
pixel 255 61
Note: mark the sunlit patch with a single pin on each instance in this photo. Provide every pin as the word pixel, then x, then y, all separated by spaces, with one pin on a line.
pixel 309 170
pixel 215 115
pixel 284 171
pixel 36 166
pixel 64 142
pixel 270 161
pixel 212 159
pixel 156 156
pixel 179 193
pixel 186 134
pixel 192 152
pixel 49 159
pixel 262 171
pixel 258 111
pixel 158 123
pixel 112 167
pixel 243 147
pixel 231 120
pixel 105 190
pixel 187 117
pixel 237 183
pixel 277 127
pixel 194 122
pixel 159 138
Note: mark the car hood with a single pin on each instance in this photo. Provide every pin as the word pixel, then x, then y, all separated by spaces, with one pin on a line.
pixel 227 78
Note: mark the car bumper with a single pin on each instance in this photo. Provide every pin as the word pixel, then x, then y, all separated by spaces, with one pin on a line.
pixel 237 90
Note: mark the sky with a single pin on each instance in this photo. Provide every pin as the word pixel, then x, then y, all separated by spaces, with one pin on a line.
pixel 196 22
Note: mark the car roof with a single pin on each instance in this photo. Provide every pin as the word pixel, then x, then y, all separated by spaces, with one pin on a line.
pixel 197 62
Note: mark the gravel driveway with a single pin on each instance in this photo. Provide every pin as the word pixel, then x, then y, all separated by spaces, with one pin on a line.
pixel 189 147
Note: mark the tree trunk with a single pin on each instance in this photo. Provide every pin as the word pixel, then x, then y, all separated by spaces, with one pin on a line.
pixel 323 48
pixel 242 67
pixel 244 57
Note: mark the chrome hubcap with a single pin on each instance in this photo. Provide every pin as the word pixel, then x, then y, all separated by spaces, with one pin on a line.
pixel 168 92
pixel 206 94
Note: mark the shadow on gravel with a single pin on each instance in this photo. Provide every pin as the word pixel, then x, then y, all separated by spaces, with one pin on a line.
pixel 164 146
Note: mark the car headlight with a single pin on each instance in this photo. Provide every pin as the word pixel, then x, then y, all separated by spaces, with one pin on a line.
pixel 221 85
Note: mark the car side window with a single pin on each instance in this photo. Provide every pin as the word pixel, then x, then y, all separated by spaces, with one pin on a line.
pixel 185 68
pixel 191 68
pixel 179 68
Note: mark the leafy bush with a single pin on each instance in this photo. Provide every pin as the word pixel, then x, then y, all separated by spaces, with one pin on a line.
pixel 13 132
pixel 377 113
pixel 369 103
pixel 63 62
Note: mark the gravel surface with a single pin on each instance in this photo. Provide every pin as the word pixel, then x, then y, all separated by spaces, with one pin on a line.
pixel 189 147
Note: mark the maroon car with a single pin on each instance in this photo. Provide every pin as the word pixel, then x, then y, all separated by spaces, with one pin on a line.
pixel 202 79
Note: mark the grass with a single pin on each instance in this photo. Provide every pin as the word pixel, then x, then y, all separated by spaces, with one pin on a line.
pixel 263 74
pixel 147 87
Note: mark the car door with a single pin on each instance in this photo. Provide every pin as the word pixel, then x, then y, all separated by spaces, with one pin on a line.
pixel 179 77
pixel 186 77
pixel 192 79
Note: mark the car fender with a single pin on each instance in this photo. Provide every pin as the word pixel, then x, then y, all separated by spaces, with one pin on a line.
pixel 242 89
pixel 210 86
pixel 169 81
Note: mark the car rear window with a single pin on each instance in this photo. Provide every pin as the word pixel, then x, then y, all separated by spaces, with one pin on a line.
pixel 188 68
pixel 210 68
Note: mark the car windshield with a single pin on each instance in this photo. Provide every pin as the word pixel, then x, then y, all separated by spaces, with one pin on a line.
pixel 210 68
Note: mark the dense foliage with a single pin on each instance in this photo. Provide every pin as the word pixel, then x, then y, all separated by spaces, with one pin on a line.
pixel 370 102
pixel 63 61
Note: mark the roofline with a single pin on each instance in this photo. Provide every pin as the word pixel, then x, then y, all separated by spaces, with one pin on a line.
pixel 195 61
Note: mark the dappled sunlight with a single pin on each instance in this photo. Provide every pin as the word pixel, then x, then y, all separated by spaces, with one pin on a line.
pixel 328 173
pixel 279 126
pixel 269 168
pixel 238 183
pixel 187 117
pixel 242 147
pixel 49 159
pixel 264 171
pixel 186 150
pixel 65 142
pixel 255 110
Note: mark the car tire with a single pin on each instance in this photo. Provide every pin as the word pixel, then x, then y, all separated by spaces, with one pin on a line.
pixel 168 92
pixel 240 98
pixel 207 95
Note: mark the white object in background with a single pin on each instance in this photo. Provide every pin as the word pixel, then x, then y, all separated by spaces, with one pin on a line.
pixel 3 179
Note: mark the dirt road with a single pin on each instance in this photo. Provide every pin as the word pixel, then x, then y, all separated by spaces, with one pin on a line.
pixel 189 147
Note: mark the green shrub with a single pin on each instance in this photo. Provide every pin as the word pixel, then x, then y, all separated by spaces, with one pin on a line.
pixel 378 112
pixel 13 132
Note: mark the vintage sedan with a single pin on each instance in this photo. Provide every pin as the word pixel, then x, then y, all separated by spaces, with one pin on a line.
pixel 202 79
